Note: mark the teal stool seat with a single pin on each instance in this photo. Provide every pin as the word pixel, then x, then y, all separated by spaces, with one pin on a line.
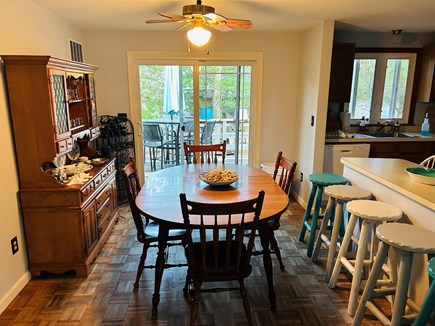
pixel 428 306
pixel 319 181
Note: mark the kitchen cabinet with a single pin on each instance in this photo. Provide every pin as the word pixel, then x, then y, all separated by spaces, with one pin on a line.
pixel 426 85
pixel 411 151
pixel 52 106
pixel 340 82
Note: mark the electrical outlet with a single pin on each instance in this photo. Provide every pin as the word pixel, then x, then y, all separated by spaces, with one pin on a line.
pixel 301 178
pixel 14 245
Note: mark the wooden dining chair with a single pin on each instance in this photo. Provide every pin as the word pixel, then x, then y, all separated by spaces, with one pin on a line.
pixel 204 153
pixel 147 230
pixel 213 254
pixel 283 173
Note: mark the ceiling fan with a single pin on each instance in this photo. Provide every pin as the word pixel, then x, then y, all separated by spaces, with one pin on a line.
pixel 200 17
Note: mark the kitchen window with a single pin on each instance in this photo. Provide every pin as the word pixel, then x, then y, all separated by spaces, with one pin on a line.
pixel 382 87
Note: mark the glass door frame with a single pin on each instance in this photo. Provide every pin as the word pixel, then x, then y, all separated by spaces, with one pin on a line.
pixel 253 59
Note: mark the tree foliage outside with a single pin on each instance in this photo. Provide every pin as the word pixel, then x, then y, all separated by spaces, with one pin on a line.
pixel 218 90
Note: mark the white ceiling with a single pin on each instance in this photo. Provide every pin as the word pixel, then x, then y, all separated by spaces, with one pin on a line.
pixel 267 15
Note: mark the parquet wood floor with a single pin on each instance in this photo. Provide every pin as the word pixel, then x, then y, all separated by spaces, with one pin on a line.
pixel 106 297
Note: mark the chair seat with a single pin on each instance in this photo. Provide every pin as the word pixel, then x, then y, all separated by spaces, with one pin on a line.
pixel 152 232
pixel 374 210
pixel 347 193
pixel 327 179
pixel 407 237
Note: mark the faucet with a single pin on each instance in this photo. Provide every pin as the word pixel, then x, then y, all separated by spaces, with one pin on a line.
pixel 380 127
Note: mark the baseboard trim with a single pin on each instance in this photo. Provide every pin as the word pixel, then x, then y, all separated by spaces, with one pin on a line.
pixel 14 290
pixel 299 199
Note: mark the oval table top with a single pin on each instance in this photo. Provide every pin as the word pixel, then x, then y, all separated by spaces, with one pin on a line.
pixel 159 196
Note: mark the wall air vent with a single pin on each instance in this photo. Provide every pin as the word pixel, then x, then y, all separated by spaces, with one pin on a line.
pixel 76 51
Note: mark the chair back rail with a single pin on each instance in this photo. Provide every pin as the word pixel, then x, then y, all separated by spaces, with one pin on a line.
pixel 217 253
pixel 285 170
pixel 133 186
pixel 204 153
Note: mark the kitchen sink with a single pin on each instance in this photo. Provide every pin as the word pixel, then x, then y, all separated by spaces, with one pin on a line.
pixel 383 134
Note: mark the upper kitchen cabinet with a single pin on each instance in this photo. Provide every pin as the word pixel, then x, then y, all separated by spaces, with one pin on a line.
pixel 340 82
pixel 426 86
pixel 52 105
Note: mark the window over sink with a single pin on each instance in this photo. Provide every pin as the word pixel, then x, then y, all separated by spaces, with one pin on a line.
pixel 382 87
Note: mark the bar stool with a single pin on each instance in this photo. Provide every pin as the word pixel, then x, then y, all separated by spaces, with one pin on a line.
pixel 407 240
pixel 319 181
pixel 371 213
pixel 338 196
pixel 428 305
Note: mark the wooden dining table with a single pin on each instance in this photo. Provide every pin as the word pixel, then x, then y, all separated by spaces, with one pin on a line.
pixel 159 201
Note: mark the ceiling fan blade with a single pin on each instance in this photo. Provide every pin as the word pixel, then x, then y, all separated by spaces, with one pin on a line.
pixel 213 17
pixel 221 27
pixel 238 23
pixel 182 26
pixel 172 16
pixel 153 21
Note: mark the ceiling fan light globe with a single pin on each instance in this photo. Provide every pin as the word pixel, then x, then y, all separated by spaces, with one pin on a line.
pixel 199 36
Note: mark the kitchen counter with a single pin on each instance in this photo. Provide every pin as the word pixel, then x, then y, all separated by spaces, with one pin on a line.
pixel 389 182
pixel 362 138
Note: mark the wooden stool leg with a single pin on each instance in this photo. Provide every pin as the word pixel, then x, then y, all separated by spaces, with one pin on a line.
pixel 402 287
pixel 313 230
pixel 322 230
pixel 334 239
pixel 307 214
pixel 343 250
pixel 359 264
pixel 371 283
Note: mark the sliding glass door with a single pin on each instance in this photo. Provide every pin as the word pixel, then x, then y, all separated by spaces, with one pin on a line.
pixel 177 97
pixel 201 103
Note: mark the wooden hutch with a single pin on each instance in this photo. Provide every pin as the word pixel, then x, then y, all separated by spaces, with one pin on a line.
pixel 53 105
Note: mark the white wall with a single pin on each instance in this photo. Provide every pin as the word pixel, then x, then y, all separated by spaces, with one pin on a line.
pixel 281 54
pixel 312 101
pixel 25 28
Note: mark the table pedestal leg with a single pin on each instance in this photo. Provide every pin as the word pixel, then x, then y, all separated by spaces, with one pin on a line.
pixel 263 230
pixel 160 264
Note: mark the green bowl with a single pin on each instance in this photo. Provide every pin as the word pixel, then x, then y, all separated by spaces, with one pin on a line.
pixel 422 175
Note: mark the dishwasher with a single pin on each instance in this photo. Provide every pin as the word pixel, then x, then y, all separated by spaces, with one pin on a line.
pixel 334 153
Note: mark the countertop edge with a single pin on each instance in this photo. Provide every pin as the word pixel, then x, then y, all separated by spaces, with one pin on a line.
pixel 356 164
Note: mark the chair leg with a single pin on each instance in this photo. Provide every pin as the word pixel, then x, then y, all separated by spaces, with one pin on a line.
pixel 371 283
pixel 246 304
pixel 323 227
pixel 307 214
pixel 186 284
pixel 427 307
pixel 275 248
pixel 195 301
pixel 141 266
pixel 359 264
pixel 314 220
pixel 343 250
pixel 334 239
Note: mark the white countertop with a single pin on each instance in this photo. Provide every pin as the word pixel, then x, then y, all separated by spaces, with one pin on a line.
pixel 391 173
